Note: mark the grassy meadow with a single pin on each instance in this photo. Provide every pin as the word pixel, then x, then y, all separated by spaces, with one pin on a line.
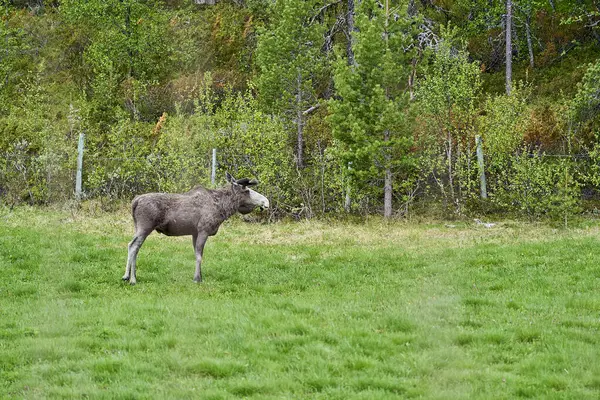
pixel 299 310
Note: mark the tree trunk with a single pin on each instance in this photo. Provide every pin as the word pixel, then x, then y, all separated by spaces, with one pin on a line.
pixel 127 32
pixel 508 29
pixel 411 9
pixel 387 194
pixel 347 199
pixel 411 78
pixel 351 62
pixel 529 44
pixel 300 124
pixel 387 184
pixel 350 33
pixel 450 170
pixel 412 12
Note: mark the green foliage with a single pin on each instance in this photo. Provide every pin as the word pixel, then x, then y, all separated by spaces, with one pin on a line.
pixel 290 63
pixel 502 128
pixel 36 176
pixel 452 84
pixel 220 39
pixel 126 48
pixel 593 176
pixel 447 100
pixel 124 167
pixel 502 125
pixel 580 11
pixel 156 85
pixel 586 103
pixel 126 38
pixel 14 47
pixel 369 119
pixel 520 178
pixel 288 57
pixel 292 71
pixel 541 186
pixel 36 163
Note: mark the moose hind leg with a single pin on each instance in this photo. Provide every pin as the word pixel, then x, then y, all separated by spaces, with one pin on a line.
pixel 199 241
pixel 129 253
pixel 132 252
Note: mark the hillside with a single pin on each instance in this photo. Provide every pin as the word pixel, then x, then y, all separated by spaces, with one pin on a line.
pixel 335 106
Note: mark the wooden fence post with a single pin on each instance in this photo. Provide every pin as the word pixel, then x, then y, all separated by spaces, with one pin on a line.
pixel 481 167
pixel 78 177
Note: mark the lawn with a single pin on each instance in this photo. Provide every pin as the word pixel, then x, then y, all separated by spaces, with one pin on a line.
pixel 299 310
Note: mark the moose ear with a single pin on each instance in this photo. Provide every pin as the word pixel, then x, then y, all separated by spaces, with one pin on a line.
pixel 246 182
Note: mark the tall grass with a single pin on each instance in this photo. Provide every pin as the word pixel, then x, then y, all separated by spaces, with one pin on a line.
pixel 305 310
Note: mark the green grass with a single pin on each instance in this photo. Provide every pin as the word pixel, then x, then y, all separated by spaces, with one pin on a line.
pixel 305 310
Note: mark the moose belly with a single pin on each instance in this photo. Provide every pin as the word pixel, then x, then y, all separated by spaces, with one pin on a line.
pixel 177 228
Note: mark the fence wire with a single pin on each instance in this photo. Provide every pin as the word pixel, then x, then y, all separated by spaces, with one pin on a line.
pixel 43 179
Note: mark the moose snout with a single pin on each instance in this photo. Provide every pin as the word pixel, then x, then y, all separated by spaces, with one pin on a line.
pixel 265 204
pixel 258 200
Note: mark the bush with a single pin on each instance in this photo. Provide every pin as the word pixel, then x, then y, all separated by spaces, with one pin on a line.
pixel 541 186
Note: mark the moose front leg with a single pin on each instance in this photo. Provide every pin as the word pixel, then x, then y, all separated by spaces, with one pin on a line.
pixel 199 240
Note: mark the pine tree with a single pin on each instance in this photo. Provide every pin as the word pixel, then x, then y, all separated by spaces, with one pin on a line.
pixel 368 118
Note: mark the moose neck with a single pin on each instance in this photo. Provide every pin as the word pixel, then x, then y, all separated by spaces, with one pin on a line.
pixel 227 202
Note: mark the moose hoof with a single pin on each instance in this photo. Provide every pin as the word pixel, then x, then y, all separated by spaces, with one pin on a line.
pixel 125 278
pixel 132 282
pixel 198 280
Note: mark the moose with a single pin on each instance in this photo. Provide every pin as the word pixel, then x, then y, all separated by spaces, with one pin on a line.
pixel 198 212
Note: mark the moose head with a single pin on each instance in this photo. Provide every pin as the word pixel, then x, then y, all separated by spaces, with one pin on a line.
pixel 248 198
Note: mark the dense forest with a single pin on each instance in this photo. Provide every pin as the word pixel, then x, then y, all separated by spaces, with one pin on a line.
pixel 445 107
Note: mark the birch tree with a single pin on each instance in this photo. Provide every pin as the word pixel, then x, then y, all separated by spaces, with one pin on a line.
pixel 447 99
pixel 290 62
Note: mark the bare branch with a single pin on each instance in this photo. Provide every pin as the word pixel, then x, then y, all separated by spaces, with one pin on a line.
pixel 322 9
pixel 592 24
pixel 311 109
